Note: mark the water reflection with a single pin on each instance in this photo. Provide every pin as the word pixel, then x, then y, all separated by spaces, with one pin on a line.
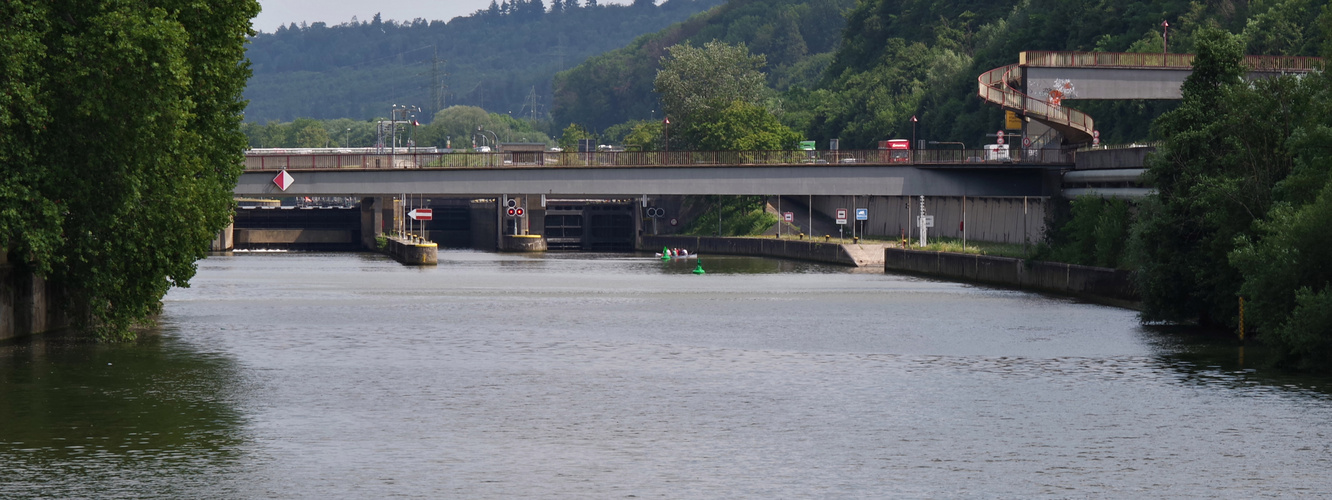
pixel 143 419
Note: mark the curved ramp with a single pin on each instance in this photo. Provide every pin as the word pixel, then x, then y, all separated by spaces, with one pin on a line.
pixel 995 88
pixel 1104 75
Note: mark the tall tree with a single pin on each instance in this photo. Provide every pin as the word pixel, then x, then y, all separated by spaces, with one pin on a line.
pixel 135 111
pixel 695 79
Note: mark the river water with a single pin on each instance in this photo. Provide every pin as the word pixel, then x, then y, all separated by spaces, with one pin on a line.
pixel 308 375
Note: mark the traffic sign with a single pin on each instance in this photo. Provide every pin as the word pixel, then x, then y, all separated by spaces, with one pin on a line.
pixel 656 213
pixel 926 221
pixel 1001 137
pixel 789 216
pixel 841 216
pixel 1026 142
pixel 283 180
pixel 674 222
pixel 421 214
pixel 862 214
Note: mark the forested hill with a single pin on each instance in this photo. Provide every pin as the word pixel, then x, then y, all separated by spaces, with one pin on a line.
pixel 914 57
pixel 797 37
pixel 501 59
pixel 899 58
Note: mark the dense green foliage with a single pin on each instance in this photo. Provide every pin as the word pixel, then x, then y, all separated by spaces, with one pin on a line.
pixel 740 216
pixel 119 144
pixel 500 59
pixel 715 93
pixel 1243 205
pixel 459 127
pixel 1094 232
pixel 796 37
pixel 899 58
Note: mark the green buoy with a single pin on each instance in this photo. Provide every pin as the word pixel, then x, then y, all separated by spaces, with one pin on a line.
pixel 665 253
pixel 699 268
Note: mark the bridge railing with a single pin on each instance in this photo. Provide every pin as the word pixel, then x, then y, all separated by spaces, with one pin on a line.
pixel 1049 59
pixel 274 162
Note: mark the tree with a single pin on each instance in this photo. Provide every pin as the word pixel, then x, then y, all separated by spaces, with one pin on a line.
pixel 694 79
pixel 740 126
pixel 572 134
pixel 132 118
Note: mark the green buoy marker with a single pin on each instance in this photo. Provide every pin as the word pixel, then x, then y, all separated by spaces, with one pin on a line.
pixel 665 254
pixel 699 268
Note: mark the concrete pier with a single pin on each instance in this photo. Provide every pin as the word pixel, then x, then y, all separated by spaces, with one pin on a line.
pixel 413 253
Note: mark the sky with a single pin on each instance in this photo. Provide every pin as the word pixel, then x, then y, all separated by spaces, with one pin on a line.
pixel 285 12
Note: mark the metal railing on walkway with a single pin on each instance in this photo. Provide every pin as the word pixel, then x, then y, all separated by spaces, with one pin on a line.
pixel 1049 59
pixel 646 159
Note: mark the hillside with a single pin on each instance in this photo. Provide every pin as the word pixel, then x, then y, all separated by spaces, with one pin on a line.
pixel 501 59
pixel 798 38
pixel 899 58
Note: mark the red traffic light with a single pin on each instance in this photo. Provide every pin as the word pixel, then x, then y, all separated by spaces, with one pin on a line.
pixel 512 212
pixel 520 211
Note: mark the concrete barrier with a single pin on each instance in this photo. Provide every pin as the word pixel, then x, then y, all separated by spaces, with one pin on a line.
pixel 524 243
pixel 413 253
pixel 1111 286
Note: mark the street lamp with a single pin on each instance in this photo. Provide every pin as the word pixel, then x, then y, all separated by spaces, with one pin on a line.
pixel 1165 38
pixel 666 127
pixel 913 132
pixel 346 139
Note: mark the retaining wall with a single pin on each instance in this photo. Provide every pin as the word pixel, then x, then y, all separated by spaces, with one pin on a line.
pixel 1113 286
pixel 28 304
pixel 413 253
pixel 785 248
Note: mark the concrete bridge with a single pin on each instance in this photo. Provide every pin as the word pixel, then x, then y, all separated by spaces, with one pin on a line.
pixel 599 200
pixel 825 173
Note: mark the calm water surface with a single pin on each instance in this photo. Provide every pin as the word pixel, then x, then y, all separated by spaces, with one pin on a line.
pixel 620 376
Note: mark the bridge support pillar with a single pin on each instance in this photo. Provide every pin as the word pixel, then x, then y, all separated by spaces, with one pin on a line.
pixel 372 220
pixel 225 240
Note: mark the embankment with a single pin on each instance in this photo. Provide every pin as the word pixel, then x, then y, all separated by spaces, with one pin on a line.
pixel 815 251
pixel 1098 284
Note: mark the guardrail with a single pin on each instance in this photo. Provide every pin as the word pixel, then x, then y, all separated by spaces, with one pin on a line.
pixel 1049 59
pixel 274 162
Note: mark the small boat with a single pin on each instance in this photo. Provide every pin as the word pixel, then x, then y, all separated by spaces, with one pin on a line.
pixel 676 253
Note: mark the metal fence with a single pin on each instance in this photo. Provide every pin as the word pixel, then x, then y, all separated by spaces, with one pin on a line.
pixel 974 157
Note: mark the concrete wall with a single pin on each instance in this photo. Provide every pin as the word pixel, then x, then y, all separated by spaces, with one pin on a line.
pixel 831 253
pixel 413 253
pixel 1005 220
pixel 246 237
pixel 1113 158
pixel 1112 286
pixel 225 239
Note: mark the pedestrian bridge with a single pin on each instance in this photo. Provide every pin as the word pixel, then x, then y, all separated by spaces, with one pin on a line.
pixel 601 174
pixel 1037 86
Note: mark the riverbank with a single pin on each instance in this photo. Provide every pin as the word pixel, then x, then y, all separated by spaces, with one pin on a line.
pixel 1102 285
pixel 847 254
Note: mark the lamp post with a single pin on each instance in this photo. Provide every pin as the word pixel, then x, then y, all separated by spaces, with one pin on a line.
pixel 666 127
pixel 346 139
pixel 913 136
pixel 1165 39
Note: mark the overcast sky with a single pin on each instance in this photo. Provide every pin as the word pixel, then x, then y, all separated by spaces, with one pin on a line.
pixel 284 12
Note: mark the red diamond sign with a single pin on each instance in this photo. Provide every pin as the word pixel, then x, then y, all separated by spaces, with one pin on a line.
pixel 283 180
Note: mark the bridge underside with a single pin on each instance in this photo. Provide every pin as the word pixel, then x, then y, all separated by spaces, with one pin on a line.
pixel 845 180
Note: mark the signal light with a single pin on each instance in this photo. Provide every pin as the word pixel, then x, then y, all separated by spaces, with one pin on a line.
pixel 520 212
pixel 512 212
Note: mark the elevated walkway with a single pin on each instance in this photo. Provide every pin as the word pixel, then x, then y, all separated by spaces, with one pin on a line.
pixel 1038 84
